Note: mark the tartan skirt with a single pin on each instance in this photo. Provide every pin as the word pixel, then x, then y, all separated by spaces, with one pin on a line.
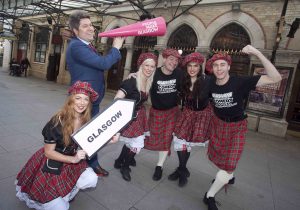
pixel 193 126
pixel 226 143
pixel 161 125
pixel 138 126
pixel 44 187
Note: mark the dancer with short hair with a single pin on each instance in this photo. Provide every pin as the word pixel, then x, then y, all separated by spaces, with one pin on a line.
pixel 229 124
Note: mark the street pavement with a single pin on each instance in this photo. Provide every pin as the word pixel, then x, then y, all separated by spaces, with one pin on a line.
pixel 267 177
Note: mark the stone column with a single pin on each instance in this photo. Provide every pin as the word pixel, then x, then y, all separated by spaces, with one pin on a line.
pixel 30 52
pixel 160 48
pixel 63 73
pixel 205 52
pixel 129 54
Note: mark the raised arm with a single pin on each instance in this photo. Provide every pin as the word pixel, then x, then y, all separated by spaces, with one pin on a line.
pixel 272 76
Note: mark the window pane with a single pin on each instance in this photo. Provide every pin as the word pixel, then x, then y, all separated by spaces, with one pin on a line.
pixel 37 56
pixel 44 46
pixel 42 58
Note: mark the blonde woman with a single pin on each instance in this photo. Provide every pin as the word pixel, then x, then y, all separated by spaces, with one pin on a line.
pixel 134 134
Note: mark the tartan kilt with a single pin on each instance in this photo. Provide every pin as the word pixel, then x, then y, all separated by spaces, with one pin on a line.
pixel 226 143
pixel 193 126
pixel 44 187
pixel 138 126
pixel 161 125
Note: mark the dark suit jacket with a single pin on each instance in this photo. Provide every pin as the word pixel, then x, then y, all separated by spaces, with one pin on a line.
pixel 85 64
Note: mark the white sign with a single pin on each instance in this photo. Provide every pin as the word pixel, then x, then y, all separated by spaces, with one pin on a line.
pixel 97 132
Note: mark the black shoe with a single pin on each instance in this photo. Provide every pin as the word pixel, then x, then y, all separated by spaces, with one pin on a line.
pixel 174 176
pixel 118 164
pixel 182 180
pixel 231 181
pixel 210 202
pixel 132 162
pixel 125 173
pixel 100 171
pixel 157 173
pixel 187 172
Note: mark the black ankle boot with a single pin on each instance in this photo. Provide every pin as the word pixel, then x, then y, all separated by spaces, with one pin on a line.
pixel 132 162
pixel 210 202
pixel 183 157
pixel 118 164
pixel 157 173
pixel 125 173
pixel 182 177
pixel 174 176
pixel 120 160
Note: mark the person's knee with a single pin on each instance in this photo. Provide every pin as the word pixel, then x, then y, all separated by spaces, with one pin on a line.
pixel 87 179
pixel 224 176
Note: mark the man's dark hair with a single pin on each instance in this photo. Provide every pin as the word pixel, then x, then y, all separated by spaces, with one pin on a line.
pixel 75 18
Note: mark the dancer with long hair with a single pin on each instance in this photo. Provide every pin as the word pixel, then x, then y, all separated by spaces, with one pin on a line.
pixel 56 172
pixel 134 134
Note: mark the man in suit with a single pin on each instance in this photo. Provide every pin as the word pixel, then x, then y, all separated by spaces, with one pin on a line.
pixel 85 64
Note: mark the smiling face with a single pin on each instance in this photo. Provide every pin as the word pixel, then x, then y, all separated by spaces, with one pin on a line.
pixel 81 102
pixel 85 30
pixel 221 71
pixel 170 63
pixel 193 69
pixel 148 67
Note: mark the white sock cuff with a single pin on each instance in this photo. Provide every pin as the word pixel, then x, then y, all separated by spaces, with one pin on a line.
pixel 223 176
pixel 162 155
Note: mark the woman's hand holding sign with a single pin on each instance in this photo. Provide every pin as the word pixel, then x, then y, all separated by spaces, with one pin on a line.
pixel 79 156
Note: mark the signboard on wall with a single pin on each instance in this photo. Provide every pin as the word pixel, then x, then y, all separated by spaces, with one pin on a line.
pixel 270 99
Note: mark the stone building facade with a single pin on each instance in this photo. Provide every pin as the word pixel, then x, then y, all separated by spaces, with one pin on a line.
pixel 255 20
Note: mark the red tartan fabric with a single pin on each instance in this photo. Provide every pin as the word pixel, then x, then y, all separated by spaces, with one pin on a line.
pixel 44 187
pixel 193 126
pixel 161 126
pixel 226 143
pixel 138 126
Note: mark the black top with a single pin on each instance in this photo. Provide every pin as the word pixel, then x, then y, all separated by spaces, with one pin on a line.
pixel 165 88
pixel 130 90
pixel 199 102
pixel 53 135
pixel 229 99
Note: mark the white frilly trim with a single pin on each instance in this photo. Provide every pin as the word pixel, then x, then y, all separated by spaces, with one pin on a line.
pixel 24 197
pixel 86 180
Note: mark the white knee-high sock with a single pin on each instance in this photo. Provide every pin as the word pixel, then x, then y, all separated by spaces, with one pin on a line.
pixel 162 156
pixel 222 178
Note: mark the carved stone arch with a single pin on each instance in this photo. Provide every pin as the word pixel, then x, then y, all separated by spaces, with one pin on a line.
pixel 231 39
pixel 180 41
pixel 187 19
pixel 252 27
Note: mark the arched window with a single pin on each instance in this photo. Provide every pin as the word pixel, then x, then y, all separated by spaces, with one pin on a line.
pixel 231 39
pixel 183 38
